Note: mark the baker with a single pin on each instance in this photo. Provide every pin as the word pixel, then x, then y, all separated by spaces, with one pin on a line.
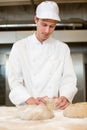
pixel 40 66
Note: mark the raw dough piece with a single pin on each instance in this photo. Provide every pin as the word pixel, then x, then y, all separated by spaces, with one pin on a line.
pixel 51 103
pixel 35 112
pixel 77 110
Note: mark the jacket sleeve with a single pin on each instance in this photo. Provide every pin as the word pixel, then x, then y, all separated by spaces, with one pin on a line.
pixel 69 81
pixel 18 93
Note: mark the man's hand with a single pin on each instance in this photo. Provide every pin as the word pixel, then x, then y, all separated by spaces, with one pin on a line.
pixel 42 99
pixel 62 103
pixel 36 101
pixel 32 101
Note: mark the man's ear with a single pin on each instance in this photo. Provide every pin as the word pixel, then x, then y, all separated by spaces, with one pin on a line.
pixel 35 19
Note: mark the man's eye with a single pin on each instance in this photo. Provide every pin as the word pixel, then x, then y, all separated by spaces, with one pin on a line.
pixel 52 26
pixel 44 24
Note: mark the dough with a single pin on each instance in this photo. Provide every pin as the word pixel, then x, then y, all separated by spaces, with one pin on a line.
pixel 38 112
pixel 35 112
pixel 76 110
pixel 51 103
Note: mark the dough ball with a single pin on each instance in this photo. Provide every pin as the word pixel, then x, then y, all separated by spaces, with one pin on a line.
pixel 35 112
pixel 76 110
pixel 51 103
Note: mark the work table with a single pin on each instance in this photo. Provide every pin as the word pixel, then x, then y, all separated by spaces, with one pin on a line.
pixel 10 121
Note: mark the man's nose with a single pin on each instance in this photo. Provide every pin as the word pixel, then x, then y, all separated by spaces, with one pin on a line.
pixel 47 29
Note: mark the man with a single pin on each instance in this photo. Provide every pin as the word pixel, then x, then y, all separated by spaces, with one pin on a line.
pixel 40 66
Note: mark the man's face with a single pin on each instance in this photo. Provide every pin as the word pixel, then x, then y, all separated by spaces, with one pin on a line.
pixel 45 28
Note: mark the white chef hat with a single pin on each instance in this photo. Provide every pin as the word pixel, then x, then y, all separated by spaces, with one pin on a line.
pixel 48 10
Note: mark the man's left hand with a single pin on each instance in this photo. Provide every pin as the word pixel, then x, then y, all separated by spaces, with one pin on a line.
pixel 62 103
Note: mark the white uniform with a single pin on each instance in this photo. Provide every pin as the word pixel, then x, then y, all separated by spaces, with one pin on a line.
pixel 37 70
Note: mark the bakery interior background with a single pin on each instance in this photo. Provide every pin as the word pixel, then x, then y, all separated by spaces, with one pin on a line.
pixel 16 22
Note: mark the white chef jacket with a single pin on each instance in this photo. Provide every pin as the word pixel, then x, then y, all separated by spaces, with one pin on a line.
pixel 37 70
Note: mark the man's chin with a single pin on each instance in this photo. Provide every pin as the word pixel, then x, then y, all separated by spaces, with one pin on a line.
pixel 46 37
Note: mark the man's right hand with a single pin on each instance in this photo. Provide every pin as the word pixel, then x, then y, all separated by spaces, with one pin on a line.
pixel 32 101
pixel 35 101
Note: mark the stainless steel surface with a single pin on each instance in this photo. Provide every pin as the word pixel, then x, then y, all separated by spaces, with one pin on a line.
pixel 23 2
pixel 7 89
pixel 31 25
pixel 4 89
pixel 2 78
pixel 78 62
